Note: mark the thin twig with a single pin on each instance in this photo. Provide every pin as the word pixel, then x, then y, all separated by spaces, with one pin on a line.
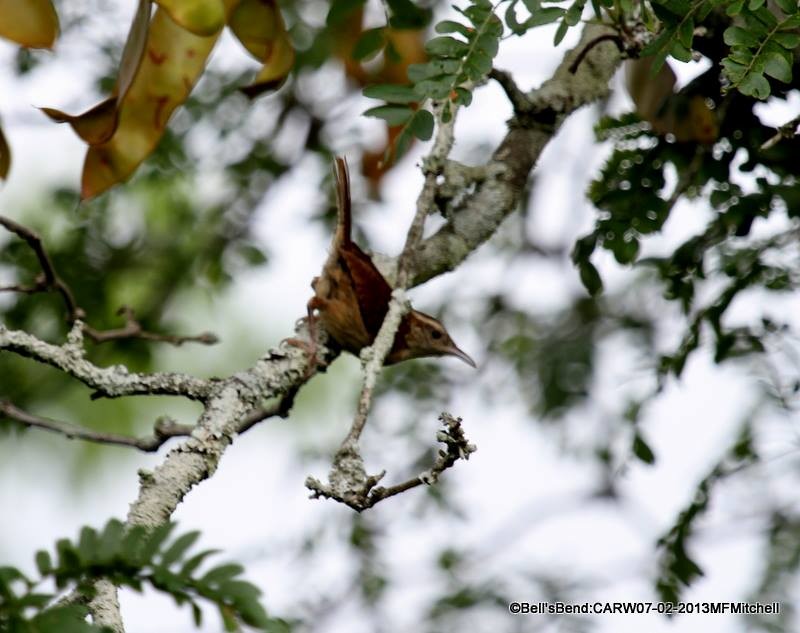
pixel 788 130
pixel 456 447
pixel 133 329
pixel 606 37
pixel 49 280
pixel 163 430
pixel 519 100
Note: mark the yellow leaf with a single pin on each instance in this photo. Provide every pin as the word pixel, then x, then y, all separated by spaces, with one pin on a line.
pixel 259 26
pixel 173 61
pixel 5 156
pixel 94 126
pixel 98 124
pixel 30 23
pixel 201 17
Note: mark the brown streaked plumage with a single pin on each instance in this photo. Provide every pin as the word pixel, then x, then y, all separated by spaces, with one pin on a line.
pixel 351 297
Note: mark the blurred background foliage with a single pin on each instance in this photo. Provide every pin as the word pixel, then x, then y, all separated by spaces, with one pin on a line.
pixel 181 232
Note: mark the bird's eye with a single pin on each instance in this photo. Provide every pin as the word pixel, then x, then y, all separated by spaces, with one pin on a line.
pixel 436 335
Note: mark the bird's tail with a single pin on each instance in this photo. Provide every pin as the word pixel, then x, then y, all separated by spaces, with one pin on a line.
pixel 343 222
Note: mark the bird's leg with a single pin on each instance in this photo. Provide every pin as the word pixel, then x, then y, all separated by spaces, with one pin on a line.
pixel 311 347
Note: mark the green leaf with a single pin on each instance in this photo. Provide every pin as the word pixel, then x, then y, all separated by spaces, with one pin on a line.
pixel 436 88
pixel 43 562
pixel 737 36
pixel 154 540
pixel 197 614
pixel 642 450
pixel 680 52
pixel 447 112
pixel 734 70
pixel 463 96
pixel 402 142
pixel 392 114
pixel 222 574
pixel 787 6
pixel 433 68
pixel 686 32
pixel 755 4
pixel 517 27
pixel 590 278
pixel 755 85
pixel 573 14
pixel 392 93
pixel 561 31
pixel 446 47
pixel 88 544
pixel 421 125
pixel 778 67
pixel 547 15
pixel 181 545
pixel 369 44
pixel 787 40
pixel 110 541
pixel 191 565
pixel 449 26
pixel 735 8
pixel 488 45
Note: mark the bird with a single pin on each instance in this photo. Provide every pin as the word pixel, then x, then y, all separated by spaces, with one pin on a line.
pixel 351 297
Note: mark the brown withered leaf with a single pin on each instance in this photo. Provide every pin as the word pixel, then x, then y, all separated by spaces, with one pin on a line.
pixel 5 156
pixel 259 26
pixel 98 124
pixel 30 23
pixel 173 61
pixel 201 17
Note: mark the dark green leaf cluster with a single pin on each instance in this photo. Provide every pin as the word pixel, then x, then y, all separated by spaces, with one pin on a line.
pixel 761 39
pixel 763 45
pixel 460 57
pixel 678 19
pixel 132 557
pixel 634 202
pixel 677 568
pixel 569 16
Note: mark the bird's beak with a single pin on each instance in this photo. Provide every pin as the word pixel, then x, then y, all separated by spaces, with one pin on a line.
pixel 454 351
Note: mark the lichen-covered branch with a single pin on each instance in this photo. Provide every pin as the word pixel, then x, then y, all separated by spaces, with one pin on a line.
pixel 500 191
pixel 369 493
pixel 109 382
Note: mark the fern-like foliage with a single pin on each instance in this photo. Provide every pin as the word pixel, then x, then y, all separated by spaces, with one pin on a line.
pixel 761 38
pixel 762 46
pixel 460 57
pixel 134 557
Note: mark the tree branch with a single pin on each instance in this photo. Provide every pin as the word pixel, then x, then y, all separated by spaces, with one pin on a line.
pixel 456 447
pixel 501 191
pixel 49 280
pixel 163 430
pixel 110 382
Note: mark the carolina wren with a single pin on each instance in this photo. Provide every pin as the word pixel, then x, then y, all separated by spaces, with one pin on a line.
pixel 352 297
